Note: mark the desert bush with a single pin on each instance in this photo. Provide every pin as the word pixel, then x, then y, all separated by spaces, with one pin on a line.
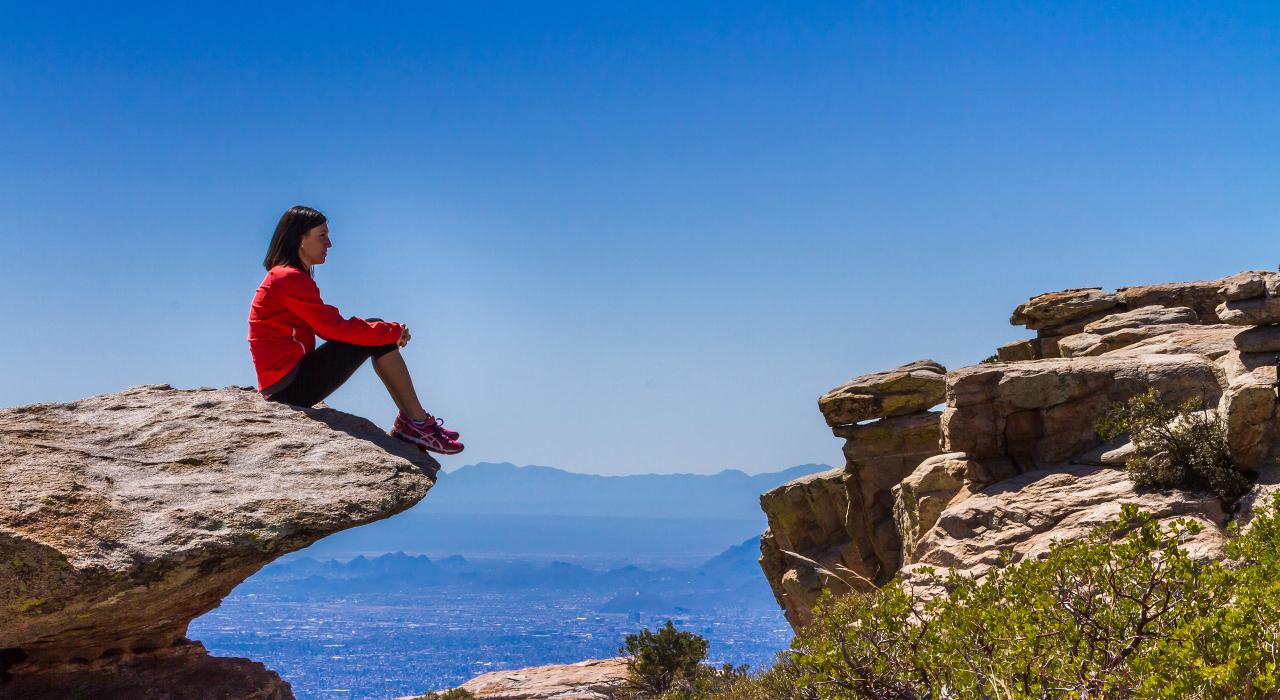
pixel 1122 613
pixel 661 662
pixel 1183 446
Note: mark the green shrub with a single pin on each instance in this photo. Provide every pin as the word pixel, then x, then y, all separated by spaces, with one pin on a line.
pixel 662 662
pixel 1122 613
pixel 1183 447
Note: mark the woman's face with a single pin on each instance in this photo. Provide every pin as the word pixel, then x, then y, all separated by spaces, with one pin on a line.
pixel 315 245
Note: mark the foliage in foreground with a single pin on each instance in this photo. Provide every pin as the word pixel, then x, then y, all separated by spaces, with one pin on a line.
pixel 668 664
pixel 1183 446
pixel 1123 613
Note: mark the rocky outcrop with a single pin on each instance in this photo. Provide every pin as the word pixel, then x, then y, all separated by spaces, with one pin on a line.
pixel 1043 412
pixel 1059 317
pixel 125 516
pixel 900 391
pixel 843 519
pixel 1019 462
pixel 1022 516
pixel 593 679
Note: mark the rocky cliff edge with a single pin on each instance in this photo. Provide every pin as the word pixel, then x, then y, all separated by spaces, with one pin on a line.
pixel 124 516
pixel 1012 462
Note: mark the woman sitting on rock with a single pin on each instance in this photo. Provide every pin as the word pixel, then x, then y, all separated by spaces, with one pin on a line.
pixel 287 315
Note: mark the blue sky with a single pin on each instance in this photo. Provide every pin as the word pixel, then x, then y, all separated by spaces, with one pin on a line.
pixel 628 237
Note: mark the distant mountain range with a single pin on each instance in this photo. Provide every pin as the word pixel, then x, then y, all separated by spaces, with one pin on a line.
pixel 732 578
pixel 501 510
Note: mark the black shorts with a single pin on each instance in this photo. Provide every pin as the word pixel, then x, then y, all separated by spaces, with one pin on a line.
pixel 321 371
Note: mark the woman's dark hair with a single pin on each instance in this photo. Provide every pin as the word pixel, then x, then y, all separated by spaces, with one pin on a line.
pixel 288 236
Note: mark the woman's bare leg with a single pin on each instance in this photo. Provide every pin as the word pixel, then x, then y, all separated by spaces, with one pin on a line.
pixel 394 373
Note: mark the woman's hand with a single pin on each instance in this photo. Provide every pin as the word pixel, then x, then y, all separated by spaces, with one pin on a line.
pixel 404 337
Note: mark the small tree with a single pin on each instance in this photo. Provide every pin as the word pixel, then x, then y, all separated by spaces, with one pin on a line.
pixel 657 663
pixel 1182 447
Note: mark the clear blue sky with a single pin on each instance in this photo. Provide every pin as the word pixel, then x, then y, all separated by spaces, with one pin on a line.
pixel 628 237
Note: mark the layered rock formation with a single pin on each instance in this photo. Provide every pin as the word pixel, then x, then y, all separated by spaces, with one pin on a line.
pixel 125 516
pixel 843 519
pixel 1018 463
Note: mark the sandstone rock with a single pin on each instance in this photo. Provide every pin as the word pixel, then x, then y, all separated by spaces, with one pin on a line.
pixel 878 456
pixel 1201 296
pixel 126 515
pixel 808 516
pixel 1247 285
pixel 1111 454
pixel 1057 308
pixel 1090 344
pixel 182 672
pixel 1250 312
pixel 1042 412
pixel 1025 514
pixel 1211 341
pixel 1019 350
pixel 939 481
pixel 843 517
pixel 1144 316
pixel 593 679
pixel 1248 407
pixel 907 389
pixel 1259 339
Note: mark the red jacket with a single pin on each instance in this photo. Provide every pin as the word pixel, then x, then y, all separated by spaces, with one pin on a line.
pixel 287 315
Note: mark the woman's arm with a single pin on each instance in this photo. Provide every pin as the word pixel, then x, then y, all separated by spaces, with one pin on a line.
pixel 299 294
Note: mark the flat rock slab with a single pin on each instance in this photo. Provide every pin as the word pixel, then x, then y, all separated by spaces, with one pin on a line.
pixel 124 516
pixel 1057 308
pixel 593 679
pixel 897 392
pixel 1143 316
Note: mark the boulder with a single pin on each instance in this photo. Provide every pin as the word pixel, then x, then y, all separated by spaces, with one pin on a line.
pixel 1042 412
pixel 1058 308
pixel 1258 339
pixel 939 481
pixel 1144 316
pixel 593 679
pixel 124 516
pixel 900 391
pixel 1248 284
pixel 1024 515
pixel 1019 350
pixel 1250 312
pixel 1248 406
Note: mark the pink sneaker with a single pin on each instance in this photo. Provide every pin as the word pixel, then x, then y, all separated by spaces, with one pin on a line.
pixel 427 435
pixel 451 434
